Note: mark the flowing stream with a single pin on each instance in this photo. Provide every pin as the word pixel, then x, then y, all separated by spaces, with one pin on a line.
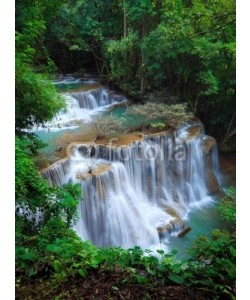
pixel 81 105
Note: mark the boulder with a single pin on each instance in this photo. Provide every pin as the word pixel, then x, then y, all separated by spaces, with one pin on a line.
pixel 208 144
pixel 211 182
pixel 173 225
pixel 194 131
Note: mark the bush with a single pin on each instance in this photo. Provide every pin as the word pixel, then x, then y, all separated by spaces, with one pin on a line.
pixel 227 205
pixel 106 126
pixel 171 115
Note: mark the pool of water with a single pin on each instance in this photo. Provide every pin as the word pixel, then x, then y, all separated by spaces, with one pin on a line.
pixel 203 220
pixel 50 138
pixel 129 120
pixel 71 84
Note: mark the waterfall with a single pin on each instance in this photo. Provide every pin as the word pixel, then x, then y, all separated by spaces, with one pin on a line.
pixel 97 98
pixel 134 194
pixel 80 106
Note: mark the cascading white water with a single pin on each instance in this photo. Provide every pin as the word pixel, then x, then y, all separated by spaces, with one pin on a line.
pixel 97 98
pixel 80 106
pixel 147 188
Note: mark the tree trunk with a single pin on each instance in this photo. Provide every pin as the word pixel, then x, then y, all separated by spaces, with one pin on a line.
pixel 228 133
pixel 124 19
pixel 197 98
pixel 184 232
pixel 97 65
pixel 142 56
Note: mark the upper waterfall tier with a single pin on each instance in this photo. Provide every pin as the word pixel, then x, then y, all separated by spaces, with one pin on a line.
pixel 97 98
pixel 147 189
pixel 80 106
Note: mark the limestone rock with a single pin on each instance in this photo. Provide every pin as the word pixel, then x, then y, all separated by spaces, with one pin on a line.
pixel 208 144
pixel 211 182
pixel 175 224
pixel 194 131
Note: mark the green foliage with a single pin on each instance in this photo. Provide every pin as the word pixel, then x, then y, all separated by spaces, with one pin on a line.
pixel 37 203
pixel 66 258
pixel 157 125
pixel 44 216
pixel 227 205
pixel 122 58
pixel 36 98
pixel 28 183
pixel 213 263
pixel 64 202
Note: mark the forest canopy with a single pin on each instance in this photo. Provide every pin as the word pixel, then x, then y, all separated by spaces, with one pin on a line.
pixel 184 48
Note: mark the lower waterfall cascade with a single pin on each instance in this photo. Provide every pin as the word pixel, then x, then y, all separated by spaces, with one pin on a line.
pixel 140 193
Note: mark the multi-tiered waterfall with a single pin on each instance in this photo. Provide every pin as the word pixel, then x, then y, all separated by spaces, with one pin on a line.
pixel 135 194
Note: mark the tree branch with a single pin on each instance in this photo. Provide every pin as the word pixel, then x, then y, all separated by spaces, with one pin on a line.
pixel 213 30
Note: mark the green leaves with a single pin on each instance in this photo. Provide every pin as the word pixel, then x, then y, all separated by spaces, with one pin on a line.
pixel 175 278
pixel 227 205
pixel 82 272
pixel 57 266
pixel 36 98
pixel 122 57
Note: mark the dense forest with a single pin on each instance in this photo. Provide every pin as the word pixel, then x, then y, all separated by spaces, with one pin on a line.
pixel 175 61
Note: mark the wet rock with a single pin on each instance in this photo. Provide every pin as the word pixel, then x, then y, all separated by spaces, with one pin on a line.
pixel 194 131
pixel 99 170
pixel 208 144
pixel 111 141
pixel 211 182
pixel 171 211
pixel 175 224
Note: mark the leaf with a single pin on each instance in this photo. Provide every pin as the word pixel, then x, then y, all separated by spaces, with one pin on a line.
pixel 82 272
pixel 32 271
pixel 57 266
pixel 115 288
pixel 232 251
pixel 176 278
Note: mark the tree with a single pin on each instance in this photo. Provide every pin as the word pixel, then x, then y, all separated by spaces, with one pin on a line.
pixel 36 98
pixel 122 56
pixel 195 58
pixel 106 126
pixel 37 203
